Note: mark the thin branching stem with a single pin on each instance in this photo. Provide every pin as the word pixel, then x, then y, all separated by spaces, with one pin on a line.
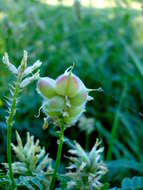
pixel 9 130
pixel 60 145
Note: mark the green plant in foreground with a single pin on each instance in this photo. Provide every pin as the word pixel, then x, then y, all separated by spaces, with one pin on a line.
pixel 22 79
pixel 33 167
pixel 88 168
pixel 64 101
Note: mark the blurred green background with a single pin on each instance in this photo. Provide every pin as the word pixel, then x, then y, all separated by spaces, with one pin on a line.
pixel 106 45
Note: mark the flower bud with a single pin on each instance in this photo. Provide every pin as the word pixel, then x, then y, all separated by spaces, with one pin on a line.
pixel 28 80
pixel 23 64
pixel 54 106
pixel 10 66
pixel 46 87
pixel 67 84
pixel 45 125
pixel 32 68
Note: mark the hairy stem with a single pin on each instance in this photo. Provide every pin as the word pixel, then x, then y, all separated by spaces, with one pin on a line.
pixel 60 145
pixel 9 130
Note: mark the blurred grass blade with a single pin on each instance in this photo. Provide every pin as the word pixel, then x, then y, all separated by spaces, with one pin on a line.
pixel 119 147
pixel 116 123
pixel 133 56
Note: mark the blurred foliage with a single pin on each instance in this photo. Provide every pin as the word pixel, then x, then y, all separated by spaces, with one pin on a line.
pixel 106 46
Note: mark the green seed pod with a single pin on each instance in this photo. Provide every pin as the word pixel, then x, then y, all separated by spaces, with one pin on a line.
pixel 54 106
pixel 80 98
pixel 67 85
pixel 75 111
pixel 46 87
pixel 69 120
pixel 73 114
pixel 65 97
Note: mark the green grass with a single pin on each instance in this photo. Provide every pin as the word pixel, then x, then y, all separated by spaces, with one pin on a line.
pixel 106 46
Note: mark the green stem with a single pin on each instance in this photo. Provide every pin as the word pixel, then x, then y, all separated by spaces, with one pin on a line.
pixel 116 123
pixel 9 130
pixel 60 145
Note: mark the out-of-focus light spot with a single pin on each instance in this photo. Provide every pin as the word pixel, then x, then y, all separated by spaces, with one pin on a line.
pixel 93 3
pixel 57 2
pixel 1 15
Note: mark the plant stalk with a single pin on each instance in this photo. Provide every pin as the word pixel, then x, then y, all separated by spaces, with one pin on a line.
pixel 60 145
pixel 9 130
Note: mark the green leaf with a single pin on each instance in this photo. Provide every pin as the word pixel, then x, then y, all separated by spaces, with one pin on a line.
pixel 24 181
pixel 105 186
pixel 125 164
pixel 37 183
pixel 135 183
pixel 4 181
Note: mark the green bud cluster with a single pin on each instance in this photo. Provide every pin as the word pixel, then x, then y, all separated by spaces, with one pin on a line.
pixel 64 97
pixel 32 158
pixel 23 72
pixel 86 168
pixel 33 167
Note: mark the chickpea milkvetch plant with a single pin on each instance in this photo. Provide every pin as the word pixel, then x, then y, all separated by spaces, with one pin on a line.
pixel 64 101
